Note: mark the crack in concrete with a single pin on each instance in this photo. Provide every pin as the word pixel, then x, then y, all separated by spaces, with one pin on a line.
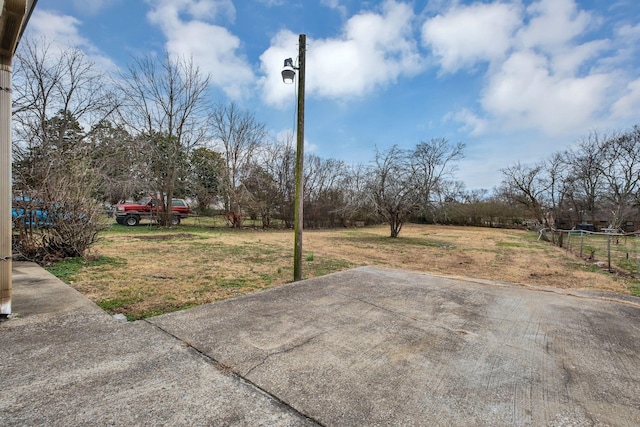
pixel 227 370
pixel 405 316
pixel 285 350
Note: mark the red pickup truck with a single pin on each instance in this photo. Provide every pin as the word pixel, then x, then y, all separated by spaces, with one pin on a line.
pixel 130 213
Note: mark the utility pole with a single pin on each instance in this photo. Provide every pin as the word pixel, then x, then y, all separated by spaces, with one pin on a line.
pixel 299 197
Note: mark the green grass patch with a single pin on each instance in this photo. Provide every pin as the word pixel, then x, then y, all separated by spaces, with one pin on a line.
pixel 512 244
pixel 374 239
pixel 67 269
pixel 235 283
pixel 628 265
pixel 320 267
pixel 167 308
pixel 111 305
pixel 593 268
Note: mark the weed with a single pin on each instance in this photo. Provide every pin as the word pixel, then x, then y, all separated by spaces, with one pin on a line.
pixel 593 268
pixel 309 257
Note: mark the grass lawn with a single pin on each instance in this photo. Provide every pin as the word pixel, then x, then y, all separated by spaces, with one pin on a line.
pixel 144 271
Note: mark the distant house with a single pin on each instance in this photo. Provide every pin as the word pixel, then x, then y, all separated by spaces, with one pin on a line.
pixel 600 221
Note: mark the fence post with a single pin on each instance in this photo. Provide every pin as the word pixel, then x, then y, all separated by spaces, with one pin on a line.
pixel 635 251
pixel 609 251
pixel 581 242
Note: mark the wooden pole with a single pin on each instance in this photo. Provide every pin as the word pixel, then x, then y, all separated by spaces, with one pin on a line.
pixel 299 196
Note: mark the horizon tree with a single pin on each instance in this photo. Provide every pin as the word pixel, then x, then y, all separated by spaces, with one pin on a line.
pixel 60 98
pixel 433 165
pixel 239 135
pixel 165 106
pixel 391 188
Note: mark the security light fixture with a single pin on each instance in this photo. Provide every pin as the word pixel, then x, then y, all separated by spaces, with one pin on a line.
pixel 288 71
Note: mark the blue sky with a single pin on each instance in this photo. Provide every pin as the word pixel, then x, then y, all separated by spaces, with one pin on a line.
pixel 513 80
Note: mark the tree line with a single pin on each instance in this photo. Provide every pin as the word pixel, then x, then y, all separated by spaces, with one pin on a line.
pixel 84 138
pixel 597 182
pixel 81 136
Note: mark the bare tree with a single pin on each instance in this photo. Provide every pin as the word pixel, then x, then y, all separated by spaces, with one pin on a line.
pixel 263 194
pixel 60 99
pixel 239 135
pixel 527 185
pixel 620 167
pixel 323 191
pixel 165 106
pixel 392 188
pixel 279 159
pixel 358 205
pixel 206 178
pixel 433 164
pixel 556 170
pixel 585 181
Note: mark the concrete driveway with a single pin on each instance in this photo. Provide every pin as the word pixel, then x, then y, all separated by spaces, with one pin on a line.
pixel 362 347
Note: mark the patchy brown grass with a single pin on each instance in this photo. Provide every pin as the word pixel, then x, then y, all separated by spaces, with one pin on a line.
pixel 152 271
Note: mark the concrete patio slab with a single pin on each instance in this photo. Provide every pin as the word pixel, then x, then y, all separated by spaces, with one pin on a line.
pixel 380 347
pixel 361 347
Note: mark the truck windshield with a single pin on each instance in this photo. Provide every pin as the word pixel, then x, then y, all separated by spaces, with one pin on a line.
pixel 144 200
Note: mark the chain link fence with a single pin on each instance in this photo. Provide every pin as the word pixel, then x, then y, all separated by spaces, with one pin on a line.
pixel 613 249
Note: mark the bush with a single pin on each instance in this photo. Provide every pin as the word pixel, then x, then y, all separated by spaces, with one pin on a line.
pixel 70 228
pixel 57 221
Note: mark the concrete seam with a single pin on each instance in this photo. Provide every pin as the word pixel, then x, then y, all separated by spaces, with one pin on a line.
pixel 229 371
pixel 283 351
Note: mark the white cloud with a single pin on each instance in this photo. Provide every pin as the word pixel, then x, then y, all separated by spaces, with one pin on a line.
pixel 213 47
pixel 627 39
pixel 466 35
pixel 164 11
pixel 553 24
pixel 336 5
pixel 63 31
pixel 283 45
pixel 545 72
pixel 272 3
pixel 61 28
pixel 631 32
pixel 470 122
pixel 629 104
pixel 525 94
pixel 570 59
pixel 373 51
